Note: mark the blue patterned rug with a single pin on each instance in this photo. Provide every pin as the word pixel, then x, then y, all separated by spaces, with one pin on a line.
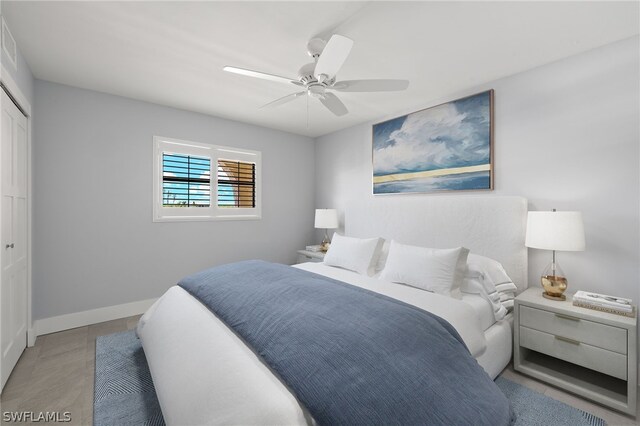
pixel 124 392
pixel 535 409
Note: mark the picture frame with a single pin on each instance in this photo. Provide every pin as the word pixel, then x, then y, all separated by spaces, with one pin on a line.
pixel 446 147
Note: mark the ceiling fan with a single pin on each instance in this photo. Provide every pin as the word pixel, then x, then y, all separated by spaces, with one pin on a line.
pixel 318 78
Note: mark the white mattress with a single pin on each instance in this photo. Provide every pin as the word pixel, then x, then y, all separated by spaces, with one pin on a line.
pixel 204 374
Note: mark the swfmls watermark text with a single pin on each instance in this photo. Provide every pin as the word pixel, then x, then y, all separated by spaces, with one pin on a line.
pixel 36 416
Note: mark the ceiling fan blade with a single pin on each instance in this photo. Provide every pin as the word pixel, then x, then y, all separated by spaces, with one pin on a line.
pixel 370 85
pixel 263 75
pixel 283 100
pixel 332 57
pixel 334 104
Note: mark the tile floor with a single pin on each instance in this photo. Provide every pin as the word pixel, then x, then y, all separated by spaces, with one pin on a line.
pixel 57 375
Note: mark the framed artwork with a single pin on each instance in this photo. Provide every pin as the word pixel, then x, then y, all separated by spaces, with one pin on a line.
pixel 448 147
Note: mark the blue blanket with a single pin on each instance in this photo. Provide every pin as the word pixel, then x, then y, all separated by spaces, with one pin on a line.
pixel 351 356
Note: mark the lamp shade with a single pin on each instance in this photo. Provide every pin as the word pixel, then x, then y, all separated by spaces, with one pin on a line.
pixel 326 218
pixel 562 231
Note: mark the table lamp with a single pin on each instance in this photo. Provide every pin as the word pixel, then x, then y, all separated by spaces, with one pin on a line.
pixel 557 231
pixel 326 219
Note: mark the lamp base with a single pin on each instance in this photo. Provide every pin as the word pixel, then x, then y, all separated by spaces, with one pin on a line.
pixel 560 298
pixel 554 286
pixel 326 242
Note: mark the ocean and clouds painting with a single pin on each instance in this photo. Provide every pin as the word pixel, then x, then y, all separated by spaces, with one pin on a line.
pixel 443 148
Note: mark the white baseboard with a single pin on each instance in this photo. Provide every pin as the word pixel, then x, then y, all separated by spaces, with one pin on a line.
pixel 31 337
pixel 94 316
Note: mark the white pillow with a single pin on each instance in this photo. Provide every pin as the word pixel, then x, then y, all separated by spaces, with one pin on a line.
pixel 491 269
pixel 493 278
pixel 382 259
pixel 438 270
pixel 355 254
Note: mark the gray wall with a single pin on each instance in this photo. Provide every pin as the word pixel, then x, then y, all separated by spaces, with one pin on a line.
pixel 566 137
pixel 95 244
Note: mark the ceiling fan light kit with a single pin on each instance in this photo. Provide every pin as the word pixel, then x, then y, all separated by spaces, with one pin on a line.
pixel 315 46
pixel 320 76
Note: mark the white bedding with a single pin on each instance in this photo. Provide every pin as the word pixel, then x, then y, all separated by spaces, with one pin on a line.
pixel 482 308
pixel 459 314
pixel 203 373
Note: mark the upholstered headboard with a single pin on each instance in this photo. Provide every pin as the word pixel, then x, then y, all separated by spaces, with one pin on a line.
pixel 489 226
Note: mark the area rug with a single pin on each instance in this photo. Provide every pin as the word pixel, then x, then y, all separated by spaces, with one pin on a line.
pixel 535 409
pixel 124 392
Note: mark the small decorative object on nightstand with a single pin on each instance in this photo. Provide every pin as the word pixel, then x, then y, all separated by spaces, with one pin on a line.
pixel 587 352
pixel 310 256
pixel 554 230
pixel 326 219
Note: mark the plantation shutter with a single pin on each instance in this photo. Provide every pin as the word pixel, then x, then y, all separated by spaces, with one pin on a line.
pixel 236 184
pixel 186 181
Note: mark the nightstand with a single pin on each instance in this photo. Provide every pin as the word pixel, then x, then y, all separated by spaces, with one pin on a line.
pixel 310 256
pixel 587 352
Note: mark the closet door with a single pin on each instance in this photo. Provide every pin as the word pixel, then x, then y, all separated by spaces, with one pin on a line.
pixel 13 236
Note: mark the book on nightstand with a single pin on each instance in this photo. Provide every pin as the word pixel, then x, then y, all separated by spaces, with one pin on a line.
pixel 314 249
pixel 604 303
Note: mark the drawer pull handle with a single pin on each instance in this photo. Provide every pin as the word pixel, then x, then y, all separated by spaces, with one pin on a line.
pixel 567 317
pixel 564 339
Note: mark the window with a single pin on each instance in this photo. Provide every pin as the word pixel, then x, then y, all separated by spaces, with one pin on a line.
pixel 186 189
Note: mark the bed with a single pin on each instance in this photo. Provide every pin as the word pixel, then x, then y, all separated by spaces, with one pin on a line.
pixel 204 372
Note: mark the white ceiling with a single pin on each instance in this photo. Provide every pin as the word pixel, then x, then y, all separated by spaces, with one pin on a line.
pixel 172 53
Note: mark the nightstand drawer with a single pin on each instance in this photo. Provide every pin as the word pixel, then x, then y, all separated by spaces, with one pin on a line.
pixel 598 359
pixel 302 259
pixel 310 256
pixel 593 333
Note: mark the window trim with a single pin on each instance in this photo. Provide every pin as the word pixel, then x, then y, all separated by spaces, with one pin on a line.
pixel 214 153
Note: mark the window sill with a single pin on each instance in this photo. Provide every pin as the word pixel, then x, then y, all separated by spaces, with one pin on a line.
pixel 205 218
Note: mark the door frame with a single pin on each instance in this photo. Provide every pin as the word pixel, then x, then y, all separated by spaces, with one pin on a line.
pixel 18 96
